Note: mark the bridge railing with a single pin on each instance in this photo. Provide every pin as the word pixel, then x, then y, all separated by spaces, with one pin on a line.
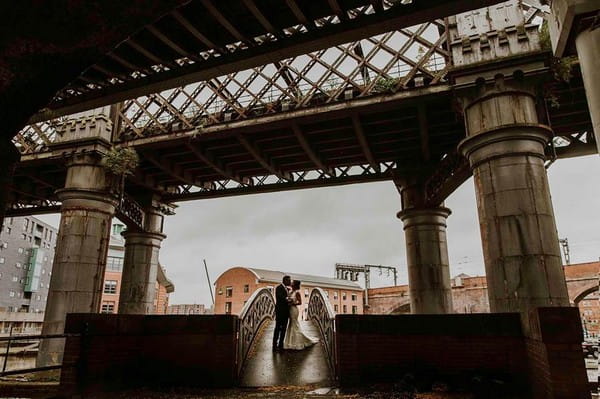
pixel 321 313
pixel 259 309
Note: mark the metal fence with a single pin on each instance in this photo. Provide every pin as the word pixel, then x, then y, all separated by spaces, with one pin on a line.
pixel 33 339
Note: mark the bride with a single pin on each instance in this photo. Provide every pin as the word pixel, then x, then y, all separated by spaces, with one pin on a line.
pixel 295 338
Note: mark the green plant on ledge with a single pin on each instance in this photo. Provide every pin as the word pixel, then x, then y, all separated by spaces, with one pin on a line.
pixel 385 85
pixel 121 162
pixel 561 67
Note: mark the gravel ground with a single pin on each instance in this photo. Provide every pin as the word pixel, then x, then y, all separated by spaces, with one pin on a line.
pixel 276 393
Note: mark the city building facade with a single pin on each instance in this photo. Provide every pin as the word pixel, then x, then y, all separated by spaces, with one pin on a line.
pixel 234 287
pixel 26 254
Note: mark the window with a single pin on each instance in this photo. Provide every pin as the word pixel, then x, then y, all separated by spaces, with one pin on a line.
pixel 18 265
pixel 354 309
pixel 228 307
pixel 344 297
pixel 38 298
pixel 335 295
pixel 2 260
pixel 15 279
pixel 114 263
pixel 345 309
pixel 107 307
pixel 306 293
pixel 335 308
pixel 20 250
pixel 8 230
pixel 220 292
pixel 42 285
pixel 246 288
pixel 23 236
pixel 11 294
pixel 25 224
pixel 327 294
pixel 354 297
pixel 110 287
pixel 228 292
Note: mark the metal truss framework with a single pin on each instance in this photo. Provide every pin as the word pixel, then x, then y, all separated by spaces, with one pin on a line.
pixel 191 149
pixel 396 60
pixel 203 39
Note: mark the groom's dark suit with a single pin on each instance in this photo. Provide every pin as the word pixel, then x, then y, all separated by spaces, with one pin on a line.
pixel 282 315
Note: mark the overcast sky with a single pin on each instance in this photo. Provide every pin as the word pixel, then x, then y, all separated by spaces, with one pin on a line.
pixel 308 231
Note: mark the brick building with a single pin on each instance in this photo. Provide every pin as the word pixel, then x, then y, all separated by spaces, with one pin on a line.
pixel 114 271
pixel 469 295
pixel 235 286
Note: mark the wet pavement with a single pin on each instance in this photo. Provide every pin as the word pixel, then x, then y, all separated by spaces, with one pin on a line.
pixel 265 368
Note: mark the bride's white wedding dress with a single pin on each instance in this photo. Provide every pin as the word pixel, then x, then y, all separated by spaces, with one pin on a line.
pixel 294 337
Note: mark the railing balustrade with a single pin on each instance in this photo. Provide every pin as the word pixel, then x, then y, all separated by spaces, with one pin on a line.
pixel 27 338
pixel 258 309
pixel 321 313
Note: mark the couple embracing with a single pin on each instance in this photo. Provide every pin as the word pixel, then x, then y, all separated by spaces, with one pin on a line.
pixel 288 333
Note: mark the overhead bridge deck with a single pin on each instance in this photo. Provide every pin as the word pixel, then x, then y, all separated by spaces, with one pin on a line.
pixel 357 140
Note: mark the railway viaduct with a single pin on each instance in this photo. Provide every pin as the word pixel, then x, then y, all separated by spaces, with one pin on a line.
pixel 259 96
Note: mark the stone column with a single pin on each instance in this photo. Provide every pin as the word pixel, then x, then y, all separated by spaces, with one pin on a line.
pixel 426 253
pixel 82 244
pixel 505 148
pixel 9 156
pixel 588 48
pixel 140 266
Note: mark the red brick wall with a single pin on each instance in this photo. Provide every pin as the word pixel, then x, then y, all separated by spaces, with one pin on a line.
pixel 545 358
pixel 556 362
pixel 375 348
pixel 124 351
pixel 161 303
pixel 112 299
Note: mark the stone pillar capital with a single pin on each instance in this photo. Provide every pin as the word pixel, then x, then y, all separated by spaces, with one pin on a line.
pixel 412 217
pixel 527 139
pixel 143 238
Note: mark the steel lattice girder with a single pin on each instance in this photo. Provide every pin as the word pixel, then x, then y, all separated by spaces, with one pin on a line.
pixel 204 39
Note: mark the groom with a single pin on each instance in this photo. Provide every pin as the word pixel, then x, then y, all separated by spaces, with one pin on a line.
pixel 282 312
